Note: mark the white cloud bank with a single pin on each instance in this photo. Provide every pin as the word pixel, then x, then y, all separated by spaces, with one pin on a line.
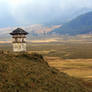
pixel 39 11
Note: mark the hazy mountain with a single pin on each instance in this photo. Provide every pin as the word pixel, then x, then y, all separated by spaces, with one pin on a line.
pixel 62 19
pixel 80 25
pixel 33 30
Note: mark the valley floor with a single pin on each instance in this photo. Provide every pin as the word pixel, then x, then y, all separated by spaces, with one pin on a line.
pixel 79 68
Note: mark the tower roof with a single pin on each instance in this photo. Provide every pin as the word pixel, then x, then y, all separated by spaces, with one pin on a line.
pixel 18 31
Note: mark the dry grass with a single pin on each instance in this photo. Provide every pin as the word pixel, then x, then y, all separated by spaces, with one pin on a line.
pixel 40 52
pixel 5 42
pixel 81 68
pixel 43 41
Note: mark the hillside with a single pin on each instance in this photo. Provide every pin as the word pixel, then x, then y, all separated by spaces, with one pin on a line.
pixel 80 25
pixel 31 73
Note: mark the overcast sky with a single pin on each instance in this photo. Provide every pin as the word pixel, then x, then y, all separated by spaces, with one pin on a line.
pixel 23 12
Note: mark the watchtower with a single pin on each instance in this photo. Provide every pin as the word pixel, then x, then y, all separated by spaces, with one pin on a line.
pixel 19 40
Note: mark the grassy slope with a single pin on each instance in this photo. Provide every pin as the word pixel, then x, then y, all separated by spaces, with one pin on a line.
pixel 30 73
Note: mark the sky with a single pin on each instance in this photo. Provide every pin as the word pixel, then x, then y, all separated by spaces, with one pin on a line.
pixel 26 12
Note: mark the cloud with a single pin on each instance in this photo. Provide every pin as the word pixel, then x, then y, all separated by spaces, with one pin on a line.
pixel 40 11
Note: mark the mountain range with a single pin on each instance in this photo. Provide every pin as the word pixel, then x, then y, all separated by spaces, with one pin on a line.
pixel 33 30
pixel 80 25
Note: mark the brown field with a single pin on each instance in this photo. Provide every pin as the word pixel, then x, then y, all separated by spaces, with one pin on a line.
pixel 43 41
pixel 81 68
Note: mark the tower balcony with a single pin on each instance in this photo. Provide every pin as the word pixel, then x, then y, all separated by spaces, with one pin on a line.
pixel 19 36
pixel 19 42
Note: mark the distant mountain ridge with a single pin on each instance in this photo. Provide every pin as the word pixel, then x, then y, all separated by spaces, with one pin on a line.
pixel 33 30
pixel 80 25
